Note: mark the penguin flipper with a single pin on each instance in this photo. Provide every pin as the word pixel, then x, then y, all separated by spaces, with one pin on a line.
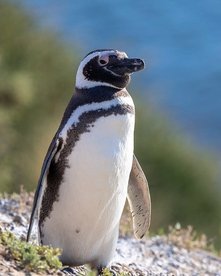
pixel 139 199
pixel 47 161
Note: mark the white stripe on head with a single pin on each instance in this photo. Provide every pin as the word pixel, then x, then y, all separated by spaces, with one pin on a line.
pixel 82 82
pixel 74 118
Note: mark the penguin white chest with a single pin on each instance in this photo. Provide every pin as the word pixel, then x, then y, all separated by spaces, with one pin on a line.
pixel 84 221
pixel 102 159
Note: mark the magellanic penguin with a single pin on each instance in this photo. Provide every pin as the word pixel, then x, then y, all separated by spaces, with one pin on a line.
pixel 90 168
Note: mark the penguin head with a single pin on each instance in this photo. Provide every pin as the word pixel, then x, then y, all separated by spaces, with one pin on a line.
pixel 107 68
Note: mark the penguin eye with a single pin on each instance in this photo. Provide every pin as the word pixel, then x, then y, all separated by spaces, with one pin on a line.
pixel 103 60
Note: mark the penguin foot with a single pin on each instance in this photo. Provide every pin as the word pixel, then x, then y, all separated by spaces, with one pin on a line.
pixel 100 271
pixel 68 271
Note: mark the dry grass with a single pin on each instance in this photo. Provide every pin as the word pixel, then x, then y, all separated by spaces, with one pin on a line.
pixel 187 238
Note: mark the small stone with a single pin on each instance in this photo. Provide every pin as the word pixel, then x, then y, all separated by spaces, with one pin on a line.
pixel 17 219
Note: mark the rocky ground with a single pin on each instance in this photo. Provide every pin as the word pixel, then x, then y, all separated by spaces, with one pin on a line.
pixel 178 253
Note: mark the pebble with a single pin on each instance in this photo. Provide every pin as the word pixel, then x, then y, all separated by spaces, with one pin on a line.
pixel 150 257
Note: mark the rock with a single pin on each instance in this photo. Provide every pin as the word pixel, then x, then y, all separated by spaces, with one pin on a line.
pixel 151 256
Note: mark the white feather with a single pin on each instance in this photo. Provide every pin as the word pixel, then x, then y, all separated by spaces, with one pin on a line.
pixel 93 193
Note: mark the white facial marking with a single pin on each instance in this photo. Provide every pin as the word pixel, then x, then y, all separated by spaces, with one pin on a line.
pixel 103 59
pixel 82 82
pixel 121 55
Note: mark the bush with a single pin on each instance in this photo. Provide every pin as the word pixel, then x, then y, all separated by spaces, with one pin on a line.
pixel 36 80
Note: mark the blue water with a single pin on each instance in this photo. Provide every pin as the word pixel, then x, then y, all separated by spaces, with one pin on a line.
pixel 179 40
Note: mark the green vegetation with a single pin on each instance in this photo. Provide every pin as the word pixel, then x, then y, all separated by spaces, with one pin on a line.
pixel 182 180
pixel 36 81
pixel 29 257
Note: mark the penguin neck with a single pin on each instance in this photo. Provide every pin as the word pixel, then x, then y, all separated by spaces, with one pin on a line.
pixel 100 93
pixel 83 96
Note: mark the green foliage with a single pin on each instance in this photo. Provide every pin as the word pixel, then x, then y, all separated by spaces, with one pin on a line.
pixel 36 80
pixel 106 272
pixel 29 257
pixel 182 180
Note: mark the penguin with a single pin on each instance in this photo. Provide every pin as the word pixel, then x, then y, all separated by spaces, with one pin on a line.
pixel 90 168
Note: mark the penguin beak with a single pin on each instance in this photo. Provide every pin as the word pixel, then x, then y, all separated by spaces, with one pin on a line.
pixel 126 66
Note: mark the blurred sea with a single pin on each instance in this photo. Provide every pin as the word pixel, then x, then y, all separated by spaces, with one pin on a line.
pixel 179 40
